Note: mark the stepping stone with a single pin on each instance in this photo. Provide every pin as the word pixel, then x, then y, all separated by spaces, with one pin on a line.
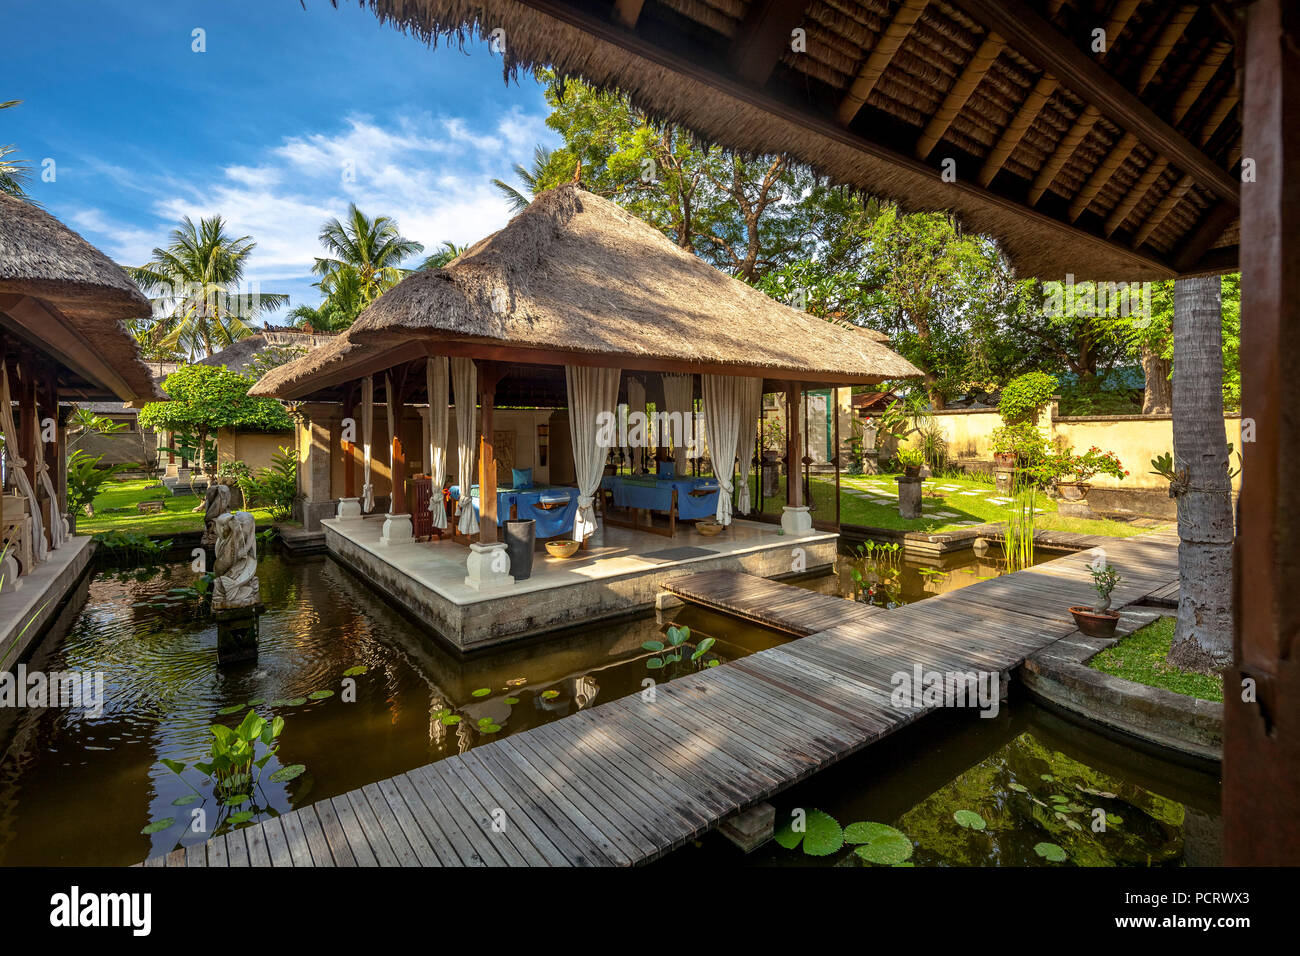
pixel 972 492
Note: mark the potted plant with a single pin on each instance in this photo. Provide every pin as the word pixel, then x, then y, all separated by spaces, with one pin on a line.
pixel 1016 443
pixel 911 459
pixel 1070 474
pixel 1099 621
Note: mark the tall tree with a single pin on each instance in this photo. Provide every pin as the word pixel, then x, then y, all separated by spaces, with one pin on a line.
pixel 1202 487
pixel 13 172
pixel 443 255
pixel 372 248
pixel 198 307
pixel 339 308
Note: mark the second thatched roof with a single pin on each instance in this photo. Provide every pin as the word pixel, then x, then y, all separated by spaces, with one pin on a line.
pixel 576 278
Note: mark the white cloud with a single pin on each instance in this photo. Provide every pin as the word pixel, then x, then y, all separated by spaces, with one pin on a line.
pixel 432 174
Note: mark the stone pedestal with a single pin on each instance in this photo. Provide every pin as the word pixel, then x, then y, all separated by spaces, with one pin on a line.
pixel 397 530
pixel 237 632
pixel 1004 480
pixel 488 566
pixel 909 496
pixel 870 461
pixel 1074 509
pixel 349 508
pixel 796 521
pixel 750 828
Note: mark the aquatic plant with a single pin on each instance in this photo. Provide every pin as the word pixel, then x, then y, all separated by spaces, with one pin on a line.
pixel 877 573
pixel 670 652
pixel 1019 542
pixel 820 834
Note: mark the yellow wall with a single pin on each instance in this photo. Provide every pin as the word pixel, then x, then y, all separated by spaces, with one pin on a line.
pixel 255 449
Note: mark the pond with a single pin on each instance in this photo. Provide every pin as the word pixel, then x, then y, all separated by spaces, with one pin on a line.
pixel 77 788
pixel 1031 788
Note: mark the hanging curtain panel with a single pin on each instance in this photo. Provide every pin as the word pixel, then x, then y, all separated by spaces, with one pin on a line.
pixel 592 391
pixel 636 403
pixel 679 397
pixel 464 380
pixel 367 442
pixel 435 380
pixel 751 409
pixel 725 401
pixel 17 465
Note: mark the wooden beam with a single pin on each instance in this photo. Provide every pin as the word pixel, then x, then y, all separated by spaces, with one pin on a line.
pixel 628 12
pixel 1204 236
pixel 959 93
pixel 1261 731
pixel 1164 43
pixel 1016 129
pixel 1166 206
pixel 793 445
pixel 1108 167
pixel 46 327
pixel 763 37
pixel 882 54
pixel 1150 176
pixel 1041 43
pixel 1075 135
pixel 489 374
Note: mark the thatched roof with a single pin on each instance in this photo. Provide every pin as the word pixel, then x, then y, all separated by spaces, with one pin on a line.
pixel 1115 166
pixel 79 287
pixel 576 276
pixel 240 355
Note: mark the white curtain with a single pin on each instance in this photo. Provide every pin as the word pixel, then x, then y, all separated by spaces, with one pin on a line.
pixel 435 379
pixel 592 391
pixel 392 440
pixel 679 399
pixel 58 523
pixel 17 463
pixel 367 442
pixel 636 403
pixel 724 404
pixel 751 409
pixel 464 379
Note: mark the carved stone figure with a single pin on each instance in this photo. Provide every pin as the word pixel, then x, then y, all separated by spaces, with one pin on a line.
pixel 236 583
pixel 215 504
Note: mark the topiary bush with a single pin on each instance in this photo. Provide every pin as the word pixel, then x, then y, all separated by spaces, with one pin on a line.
pixel 1024 395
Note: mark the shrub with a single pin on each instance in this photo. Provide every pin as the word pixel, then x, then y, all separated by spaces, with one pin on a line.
pixel 1022 439
pixel 275 487
pixel 1024 395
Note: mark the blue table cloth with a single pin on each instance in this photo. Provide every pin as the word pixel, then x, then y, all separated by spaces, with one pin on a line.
pixel 529 502
pixel 656 494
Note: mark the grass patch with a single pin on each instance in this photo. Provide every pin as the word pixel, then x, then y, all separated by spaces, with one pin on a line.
pixel 175 517
pixel 1140 657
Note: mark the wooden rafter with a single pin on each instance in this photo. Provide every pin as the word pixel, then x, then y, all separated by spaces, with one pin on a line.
pixel 1107 168
pixel 1165 42
pixel 1041 43
pixel 882 54
pixel 1166 206
pixel 1145 183
pixel 627 12
pixel 959 93
pixel 1203 237
pixel 1016 129
pixel 1075 135
pixel 763 36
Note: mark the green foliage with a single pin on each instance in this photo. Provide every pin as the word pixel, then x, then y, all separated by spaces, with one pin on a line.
pixel 878 843
pixel 275 487
pixel 365 258
pixel 670 652
pixel 1068 467
pixel 1142 657
pixel 818 832
pixel 1104 579
pixel 85 478
pixel 1023 439
pixel 1024 397
pixel 910 457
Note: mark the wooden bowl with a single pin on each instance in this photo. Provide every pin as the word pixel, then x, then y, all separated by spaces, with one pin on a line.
pixel 561 549
pixel 709 528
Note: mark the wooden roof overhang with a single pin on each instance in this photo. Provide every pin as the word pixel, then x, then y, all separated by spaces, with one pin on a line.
pixel 1116 165
pixel 37 328
pixel 532 378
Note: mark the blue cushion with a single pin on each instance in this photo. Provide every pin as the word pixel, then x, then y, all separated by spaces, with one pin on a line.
pixel 666 469
pixel 521 478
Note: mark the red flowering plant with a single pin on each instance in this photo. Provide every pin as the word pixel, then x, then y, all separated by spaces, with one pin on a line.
pixel 1067 467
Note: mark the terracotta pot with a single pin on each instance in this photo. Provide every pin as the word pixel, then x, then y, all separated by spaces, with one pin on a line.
pixel 1073 490
pixel 912 471
pixel 1005 462
pixel 1093 624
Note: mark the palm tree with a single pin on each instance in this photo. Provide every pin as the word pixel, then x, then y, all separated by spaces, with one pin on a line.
pixel 444 255
pixel 196 276
pixel 339 307
pixel 533 180
pixel 372 248
pixel 13 172
pixel 1202 487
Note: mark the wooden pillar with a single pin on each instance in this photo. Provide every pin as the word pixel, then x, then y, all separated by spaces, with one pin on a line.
pixel 1261 734
pixel 793 445
pixel 347 449
pixel 489 373
pixel 396 381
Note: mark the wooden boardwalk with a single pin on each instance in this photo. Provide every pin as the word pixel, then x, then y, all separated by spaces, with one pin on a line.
pixel 630 780
pixel 782 607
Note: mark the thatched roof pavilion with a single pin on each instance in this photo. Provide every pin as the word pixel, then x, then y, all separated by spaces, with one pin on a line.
pixel 64 299
pixel 1056 149
pixel 575 279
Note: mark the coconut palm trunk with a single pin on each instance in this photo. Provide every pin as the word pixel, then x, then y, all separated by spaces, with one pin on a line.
pixel 1202 489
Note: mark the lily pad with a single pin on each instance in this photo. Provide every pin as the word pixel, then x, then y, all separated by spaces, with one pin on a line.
pixel 450 720
pixel 232 709
pixel 511 701
pixel 1018 788
pixel 185 800
pixel 969 819
pixel 243 816
pixel 289 702
pixel 291 772
pixel 821 835
pixel 354 671
pixel 1050 852
pixel 320 694
pixel 482 692
pixel 550 694
pixel 879 843
pixel 158 826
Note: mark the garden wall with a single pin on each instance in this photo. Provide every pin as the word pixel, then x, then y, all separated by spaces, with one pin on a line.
pixel 255 449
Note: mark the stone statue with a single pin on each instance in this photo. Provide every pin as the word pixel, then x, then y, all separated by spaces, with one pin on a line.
pixel 236 584
pixel 215 504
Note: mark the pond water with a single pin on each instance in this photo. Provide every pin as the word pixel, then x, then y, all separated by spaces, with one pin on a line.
pixel 1034 780
pixel 76 788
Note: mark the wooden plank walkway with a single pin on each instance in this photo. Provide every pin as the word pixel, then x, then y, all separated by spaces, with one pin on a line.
pixel 631 780
pixel 782 607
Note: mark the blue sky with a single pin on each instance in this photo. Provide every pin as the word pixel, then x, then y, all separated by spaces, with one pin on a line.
pixel 264 127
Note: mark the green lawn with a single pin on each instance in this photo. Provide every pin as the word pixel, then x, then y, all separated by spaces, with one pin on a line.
pixel 1140 657
pixel 175 517
pixel 947 504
